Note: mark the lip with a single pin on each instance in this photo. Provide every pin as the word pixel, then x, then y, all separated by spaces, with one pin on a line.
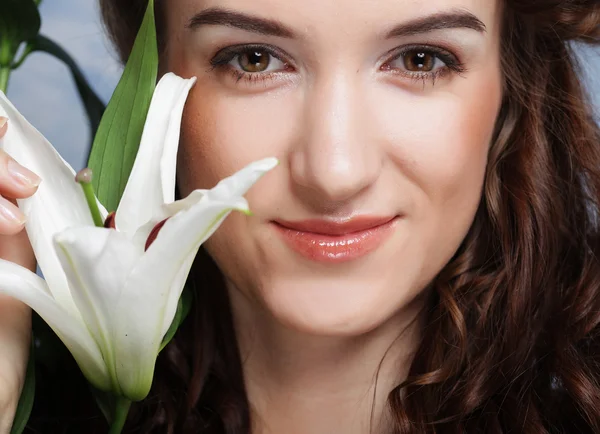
pixel 336 242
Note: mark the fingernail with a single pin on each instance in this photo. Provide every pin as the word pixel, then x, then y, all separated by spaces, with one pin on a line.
pixel 22 175
pixel 11 213
pixel 3 121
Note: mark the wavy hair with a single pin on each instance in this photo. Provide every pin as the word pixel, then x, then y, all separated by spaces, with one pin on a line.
pixel 512 340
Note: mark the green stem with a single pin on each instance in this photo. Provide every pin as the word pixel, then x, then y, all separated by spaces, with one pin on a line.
pixel 121 411
pixel 84 178
pixel 4 74
pixel 26 52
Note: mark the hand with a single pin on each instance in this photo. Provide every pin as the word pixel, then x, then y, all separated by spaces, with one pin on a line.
pixel 16 182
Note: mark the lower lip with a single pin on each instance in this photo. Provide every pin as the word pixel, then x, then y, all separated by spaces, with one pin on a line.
pixel 336 248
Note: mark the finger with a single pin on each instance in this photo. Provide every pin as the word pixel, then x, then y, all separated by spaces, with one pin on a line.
pixel 17 248
pixel 15 336
pixel 16 181
pixel 15 332
pixel 3 126
pixel 12 218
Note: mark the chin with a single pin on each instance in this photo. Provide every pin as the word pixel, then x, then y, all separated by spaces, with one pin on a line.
pixel 274 286
pixel 338 308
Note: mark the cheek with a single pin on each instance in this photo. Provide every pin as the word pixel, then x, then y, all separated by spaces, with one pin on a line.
pixel 221 134
pixel 452 159
pixel 460 147
pixel 443 154
pixel 205 154
pixel 441 163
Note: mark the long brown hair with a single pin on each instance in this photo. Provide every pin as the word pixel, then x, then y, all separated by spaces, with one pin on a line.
pixel 512 342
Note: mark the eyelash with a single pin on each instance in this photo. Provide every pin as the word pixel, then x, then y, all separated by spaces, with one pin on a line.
pixel 452 64
pixel 223 58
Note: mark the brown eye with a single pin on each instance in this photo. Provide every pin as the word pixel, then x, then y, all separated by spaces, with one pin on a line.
pixel 419 61
pixel 254 61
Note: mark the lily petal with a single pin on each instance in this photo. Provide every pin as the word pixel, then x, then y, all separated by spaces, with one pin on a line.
pixel 22 284
pixel 155 283
pixel 165 212
pixel 239 183
pixel 97 262
pixel 236 185
pixel 152 179
pixel 59 202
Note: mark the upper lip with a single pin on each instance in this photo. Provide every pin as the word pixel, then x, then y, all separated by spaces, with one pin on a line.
pixel 333 227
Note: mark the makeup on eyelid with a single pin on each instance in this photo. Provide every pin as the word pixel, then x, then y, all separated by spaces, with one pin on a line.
pixel 359 127
pixel 418 56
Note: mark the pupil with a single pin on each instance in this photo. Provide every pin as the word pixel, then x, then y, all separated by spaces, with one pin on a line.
pixel 419 61
pixel 254 61
pixel 255 58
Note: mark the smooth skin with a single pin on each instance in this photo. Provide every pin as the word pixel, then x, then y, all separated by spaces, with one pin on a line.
pixel 347 103
pixel 359 129
pixel 16 182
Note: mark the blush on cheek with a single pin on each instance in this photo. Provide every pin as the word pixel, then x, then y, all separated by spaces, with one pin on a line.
pixel 461 172
pixel 198 156
pixel 480 112
pixel 222 133
pixel 463 143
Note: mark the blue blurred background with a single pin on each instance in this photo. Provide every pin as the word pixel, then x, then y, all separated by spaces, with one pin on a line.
pixel 42 89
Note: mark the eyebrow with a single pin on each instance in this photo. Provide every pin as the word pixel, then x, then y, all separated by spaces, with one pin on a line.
pixel 264 26
pixel 438 21
pixel 225 17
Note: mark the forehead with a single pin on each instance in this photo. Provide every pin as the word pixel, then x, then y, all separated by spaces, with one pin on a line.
pixel 311 17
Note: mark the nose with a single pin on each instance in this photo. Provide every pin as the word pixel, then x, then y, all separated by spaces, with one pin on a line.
pixel 334 161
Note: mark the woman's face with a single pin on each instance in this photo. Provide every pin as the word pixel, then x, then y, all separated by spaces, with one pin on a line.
pixel 381 113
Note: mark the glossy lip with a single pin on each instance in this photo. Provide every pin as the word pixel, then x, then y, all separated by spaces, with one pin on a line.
pixel 335 242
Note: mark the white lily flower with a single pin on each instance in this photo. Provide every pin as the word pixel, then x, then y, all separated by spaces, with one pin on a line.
pixel 111 294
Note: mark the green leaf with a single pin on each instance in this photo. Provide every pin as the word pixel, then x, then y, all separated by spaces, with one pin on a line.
pixel 183 309
pixel 187 295
pixel 27 396
pixel 118 138
pixel 19 21
pixel 94 106
pixel 28 49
